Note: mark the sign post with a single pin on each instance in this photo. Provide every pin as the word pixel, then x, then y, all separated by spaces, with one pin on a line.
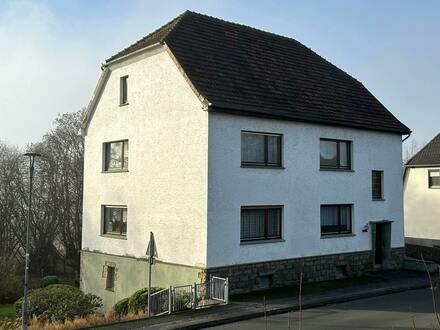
pixel 151 254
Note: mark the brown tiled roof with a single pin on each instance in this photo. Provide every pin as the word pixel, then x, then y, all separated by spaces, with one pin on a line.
pixel 428 155
pixel 242 70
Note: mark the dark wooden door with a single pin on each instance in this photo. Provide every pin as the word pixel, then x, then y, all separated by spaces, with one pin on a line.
pixel 378 245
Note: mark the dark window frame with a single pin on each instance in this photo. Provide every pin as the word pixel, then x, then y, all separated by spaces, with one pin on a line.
pixel 106 148
pixel 373 196
pixel 338 155
pixel 121 221
pixel 123 90
pixel 339 232
pixel 266 209
pixel 430 184
pixel 265 163
pixel 110 280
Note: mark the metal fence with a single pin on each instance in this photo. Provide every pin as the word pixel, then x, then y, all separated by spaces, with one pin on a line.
pixel 184 297
pixel 160 302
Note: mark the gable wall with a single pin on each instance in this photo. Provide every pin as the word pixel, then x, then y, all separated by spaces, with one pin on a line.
pixel 165 189
pixel 422 205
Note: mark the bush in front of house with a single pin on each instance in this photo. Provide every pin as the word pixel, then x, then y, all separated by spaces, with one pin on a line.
pixel 49 280
pixel 121 307
pixel 11 286
pixel 139 300
pixel 59 302
pixel 182 300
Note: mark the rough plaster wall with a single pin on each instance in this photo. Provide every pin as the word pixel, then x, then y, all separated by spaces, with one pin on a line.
pixel 301 187
pixel 166 186
pixel 422 205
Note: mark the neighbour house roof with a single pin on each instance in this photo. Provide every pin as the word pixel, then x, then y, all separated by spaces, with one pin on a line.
pixel 428 155
pixel 241 70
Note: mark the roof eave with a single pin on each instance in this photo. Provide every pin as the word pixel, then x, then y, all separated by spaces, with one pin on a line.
pixel 245 111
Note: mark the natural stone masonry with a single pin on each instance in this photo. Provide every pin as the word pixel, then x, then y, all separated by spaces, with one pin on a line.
pixel 431 253
pixel 248 277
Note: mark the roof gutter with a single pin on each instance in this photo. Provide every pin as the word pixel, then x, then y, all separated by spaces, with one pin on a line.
pixel 136 52
pixel 407 137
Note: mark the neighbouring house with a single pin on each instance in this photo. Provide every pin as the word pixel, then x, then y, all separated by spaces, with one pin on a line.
pixel 247 155
pixel 422 201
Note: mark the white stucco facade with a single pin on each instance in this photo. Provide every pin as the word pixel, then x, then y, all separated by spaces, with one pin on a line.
pixel 422 212
pixel 185 183
pixel 300 187
pixel 165 188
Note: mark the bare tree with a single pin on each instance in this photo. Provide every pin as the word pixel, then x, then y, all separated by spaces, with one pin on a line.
pixel 55 237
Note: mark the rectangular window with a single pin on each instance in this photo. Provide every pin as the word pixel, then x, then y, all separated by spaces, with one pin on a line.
pixel 110 280
pixel 260 223
pixel 123 91
pixel 258 149
pixel 335 219
pixel 434 178
pixel 115 220
pixel 116 155
pixel 335 154
pixel 377 185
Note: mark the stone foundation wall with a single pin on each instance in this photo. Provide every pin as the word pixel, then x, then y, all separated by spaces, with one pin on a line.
pixel 249 277
pixel 431 253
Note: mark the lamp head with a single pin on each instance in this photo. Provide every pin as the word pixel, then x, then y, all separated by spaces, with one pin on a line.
pixel 32 154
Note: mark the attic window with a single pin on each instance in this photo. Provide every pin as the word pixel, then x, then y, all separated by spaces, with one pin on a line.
pixel 123 96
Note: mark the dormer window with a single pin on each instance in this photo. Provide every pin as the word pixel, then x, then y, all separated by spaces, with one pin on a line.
pixel 123 96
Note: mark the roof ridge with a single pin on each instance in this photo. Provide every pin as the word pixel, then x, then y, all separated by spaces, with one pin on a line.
pixel 174 21
pixel 271 34
pixel 422 149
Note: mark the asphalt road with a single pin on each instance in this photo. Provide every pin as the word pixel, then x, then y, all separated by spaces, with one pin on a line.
pixel 394 311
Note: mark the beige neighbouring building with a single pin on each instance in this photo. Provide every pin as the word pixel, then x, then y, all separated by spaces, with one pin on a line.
pixel 247 155
pixel 422 202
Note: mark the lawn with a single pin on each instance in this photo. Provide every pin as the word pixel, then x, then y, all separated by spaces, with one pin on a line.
pixel 307 288
pixel 7 312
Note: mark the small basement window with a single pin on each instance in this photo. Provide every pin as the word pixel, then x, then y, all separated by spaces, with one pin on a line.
pixel 110 280
pixel 265 282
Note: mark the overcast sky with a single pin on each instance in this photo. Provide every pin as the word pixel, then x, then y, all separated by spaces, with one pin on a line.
pixel 51 51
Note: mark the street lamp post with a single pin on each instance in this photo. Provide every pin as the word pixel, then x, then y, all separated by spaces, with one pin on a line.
pixel 24 307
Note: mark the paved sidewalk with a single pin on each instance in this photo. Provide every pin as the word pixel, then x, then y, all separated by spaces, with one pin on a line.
pixel 391 283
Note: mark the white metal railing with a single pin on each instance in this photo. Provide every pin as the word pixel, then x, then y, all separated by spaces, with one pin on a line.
pixel 160 302
pixel 184 297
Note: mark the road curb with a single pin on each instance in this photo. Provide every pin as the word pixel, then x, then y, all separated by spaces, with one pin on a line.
pixel 312 304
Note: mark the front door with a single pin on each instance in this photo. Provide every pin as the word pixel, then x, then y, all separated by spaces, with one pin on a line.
pixel 381 244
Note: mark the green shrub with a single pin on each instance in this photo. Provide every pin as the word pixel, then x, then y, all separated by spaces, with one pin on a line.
pixel 183 300
pixel 139 300
pixel 11 286
pixel 49 280
pixel 59 302
pixel 121 307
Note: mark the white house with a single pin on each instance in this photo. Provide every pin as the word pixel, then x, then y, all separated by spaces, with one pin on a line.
pixel 246 154
pixel 422 200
